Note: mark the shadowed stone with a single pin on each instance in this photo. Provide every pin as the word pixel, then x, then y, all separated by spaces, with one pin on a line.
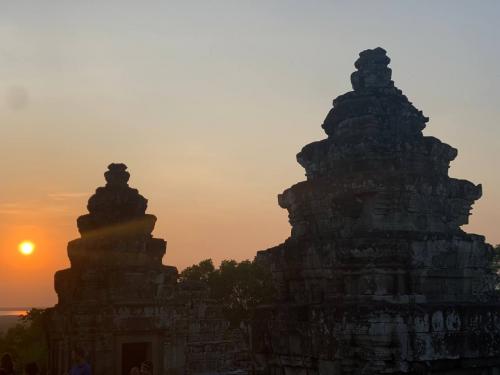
pixel 116 209
pixel 122 305
pixel 377 275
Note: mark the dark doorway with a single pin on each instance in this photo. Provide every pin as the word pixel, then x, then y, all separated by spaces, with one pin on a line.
pixel 133 354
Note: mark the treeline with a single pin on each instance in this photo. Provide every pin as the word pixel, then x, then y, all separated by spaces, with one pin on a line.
pixel 26 342
pixel 238 287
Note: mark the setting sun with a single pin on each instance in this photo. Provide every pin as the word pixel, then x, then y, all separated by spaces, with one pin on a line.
pixel 26 247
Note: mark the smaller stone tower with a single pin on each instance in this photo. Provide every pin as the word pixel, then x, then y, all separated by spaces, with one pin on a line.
pixel 112 301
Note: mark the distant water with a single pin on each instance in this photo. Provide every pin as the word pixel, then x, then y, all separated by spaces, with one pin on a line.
pixel 13 312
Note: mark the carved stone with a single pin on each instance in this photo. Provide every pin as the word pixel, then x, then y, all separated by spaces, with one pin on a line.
pixel 377 277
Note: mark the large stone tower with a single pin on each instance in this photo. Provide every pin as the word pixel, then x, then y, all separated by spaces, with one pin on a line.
pixel 377 277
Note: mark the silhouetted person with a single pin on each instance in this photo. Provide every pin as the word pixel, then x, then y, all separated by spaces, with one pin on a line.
pixel 135 371
pixel 146 368
pixel 31 369
pixel 80 367
pixel 7 364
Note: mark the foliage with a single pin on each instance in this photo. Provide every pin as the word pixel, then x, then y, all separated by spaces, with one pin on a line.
pixel 26 341
pixel 198 272
pixel 238 287
pixel 241 288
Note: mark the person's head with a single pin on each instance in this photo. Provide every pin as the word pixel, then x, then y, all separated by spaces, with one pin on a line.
pixel 78 354
pixel 146 367
pixel 6 363
pixel 31 369
pixel 135 371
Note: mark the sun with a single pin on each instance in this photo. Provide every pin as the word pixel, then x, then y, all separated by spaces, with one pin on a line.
pixel 26 247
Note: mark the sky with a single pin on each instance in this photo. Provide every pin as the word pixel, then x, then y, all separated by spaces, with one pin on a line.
pixel 208 102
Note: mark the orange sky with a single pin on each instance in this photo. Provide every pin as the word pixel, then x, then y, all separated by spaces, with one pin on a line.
pixel 208 103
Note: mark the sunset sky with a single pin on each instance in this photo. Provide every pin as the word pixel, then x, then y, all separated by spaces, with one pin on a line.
pixel 208 102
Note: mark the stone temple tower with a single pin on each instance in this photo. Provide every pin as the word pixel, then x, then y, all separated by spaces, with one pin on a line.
pixel 112 301
pixel 122 306
pixel 377 276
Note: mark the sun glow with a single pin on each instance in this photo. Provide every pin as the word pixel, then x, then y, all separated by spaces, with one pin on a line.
pixel 26 247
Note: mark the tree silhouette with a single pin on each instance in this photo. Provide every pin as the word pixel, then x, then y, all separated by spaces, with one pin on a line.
pixel 27 341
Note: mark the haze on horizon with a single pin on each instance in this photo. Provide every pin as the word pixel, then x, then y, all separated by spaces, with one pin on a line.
pixel 208 104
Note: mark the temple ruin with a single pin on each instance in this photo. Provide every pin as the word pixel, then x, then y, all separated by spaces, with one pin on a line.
pixel 120 304
pixel 377 277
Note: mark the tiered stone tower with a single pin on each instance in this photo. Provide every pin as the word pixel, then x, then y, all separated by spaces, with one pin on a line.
pixel 112 301
pixel 123 306
pixel 377 277
pixel 117 230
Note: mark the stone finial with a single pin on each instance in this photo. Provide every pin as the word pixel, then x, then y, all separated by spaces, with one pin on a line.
pixel 116 204
pixel 373 70
pixel 117 174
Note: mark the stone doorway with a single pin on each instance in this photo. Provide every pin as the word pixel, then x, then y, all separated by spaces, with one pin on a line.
pixel 133 354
